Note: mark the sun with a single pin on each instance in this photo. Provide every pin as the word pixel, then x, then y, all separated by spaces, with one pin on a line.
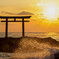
pixel 50 12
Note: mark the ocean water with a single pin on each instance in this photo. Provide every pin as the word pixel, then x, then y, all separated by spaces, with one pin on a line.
pixel 54 35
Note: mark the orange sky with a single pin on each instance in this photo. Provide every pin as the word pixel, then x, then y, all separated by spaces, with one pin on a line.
pixel 36 7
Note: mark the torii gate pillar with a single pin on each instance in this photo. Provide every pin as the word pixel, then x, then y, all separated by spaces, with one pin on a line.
pixel 23 27
pixel 6 29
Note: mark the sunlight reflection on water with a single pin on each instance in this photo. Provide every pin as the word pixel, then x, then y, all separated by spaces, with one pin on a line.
pixel 54 35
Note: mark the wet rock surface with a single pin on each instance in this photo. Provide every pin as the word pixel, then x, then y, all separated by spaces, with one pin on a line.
pixel 29 47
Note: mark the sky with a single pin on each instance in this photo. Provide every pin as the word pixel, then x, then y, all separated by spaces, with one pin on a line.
pixel 45 16
pixel 28 5
pixel 17 6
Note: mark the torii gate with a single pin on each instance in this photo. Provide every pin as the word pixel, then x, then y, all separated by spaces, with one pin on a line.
pixel 14 17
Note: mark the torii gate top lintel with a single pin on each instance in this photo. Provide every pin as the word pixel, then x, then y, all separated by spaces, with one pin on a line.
pixel 15 17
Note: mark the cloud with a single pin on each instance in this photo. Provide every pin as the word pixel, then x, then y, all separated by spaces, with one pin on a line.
pixel 25 13
pixel 21 13
pixel 8 13
pixel 42 4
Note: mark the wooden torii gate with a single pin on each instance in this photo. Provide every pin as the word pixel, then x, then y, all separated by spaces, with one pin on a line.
pixel 14 17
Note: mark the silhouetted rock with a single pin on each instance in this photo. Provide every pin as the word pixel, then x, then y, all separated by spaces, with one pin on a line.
pixel 26 44
pixel 56 55
pixel 31 44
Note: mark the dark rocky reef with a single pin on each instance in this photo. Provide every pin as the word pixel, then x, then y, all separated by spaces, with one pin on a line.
pixel 10 44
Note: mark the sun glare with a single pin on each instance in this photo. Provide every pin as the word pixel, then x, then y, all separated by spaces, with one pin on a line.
pixel 50 12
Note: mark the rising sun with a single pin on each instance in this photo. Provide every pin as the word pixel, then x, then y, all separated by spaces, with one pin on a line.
pixel 50 12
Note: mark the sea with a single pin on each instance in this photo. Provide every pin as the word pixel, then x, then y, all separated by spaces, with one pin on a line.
pixel 54 35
